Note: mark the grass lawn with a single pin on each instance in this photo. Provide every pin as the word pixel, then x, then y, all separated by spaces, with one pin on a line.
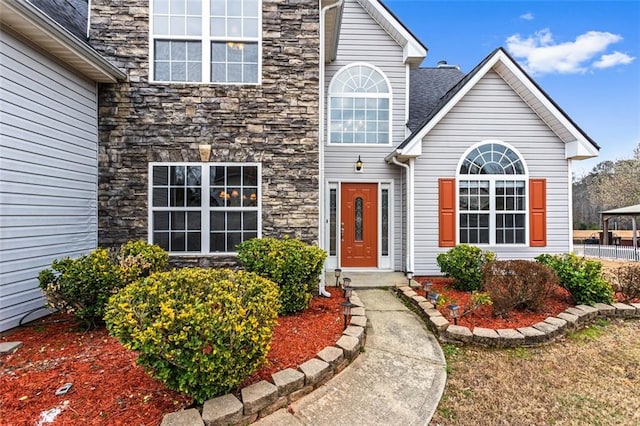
pixel 591 377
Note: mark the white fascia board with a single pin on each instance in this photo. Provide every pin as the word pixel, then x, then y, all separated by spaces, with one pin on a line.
pixel 417 138
pixel 44 31
pixel 575 150
pixel 584 149
pixel 413 51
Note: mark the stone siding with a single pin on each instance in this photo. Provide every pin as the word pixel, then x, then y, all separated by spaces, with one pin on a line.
pixel 274 123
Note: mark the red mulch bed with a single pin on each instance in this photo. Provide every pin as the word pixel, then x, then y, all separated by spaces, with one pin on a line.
pixel 108 387
pixel 558 301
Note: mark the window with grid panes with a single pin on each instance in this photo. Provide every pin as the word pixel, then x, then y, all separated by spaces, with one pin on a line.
pixel 204 208
pixel 208 41
pixel 492 199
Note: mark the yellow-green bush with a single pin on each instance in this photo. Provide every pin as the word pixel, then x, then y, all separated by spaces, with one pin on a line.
pixel 81 286
pixel 138 259
pixel 200 331
pixel 292 264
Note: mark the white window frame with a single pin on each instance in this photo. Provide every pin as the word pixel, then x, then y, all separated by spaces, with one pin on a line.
pixel 492 179
pixel 205 39
pixel 204 208
pixel 332 94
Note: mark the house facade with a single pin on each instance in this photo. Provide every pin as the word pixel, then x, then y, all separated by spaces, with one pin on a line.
pixel 321 126
pixel 196 125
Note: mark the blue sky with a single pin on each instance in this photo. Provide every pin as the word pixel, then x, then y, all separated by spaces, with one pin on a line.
pixel 584 54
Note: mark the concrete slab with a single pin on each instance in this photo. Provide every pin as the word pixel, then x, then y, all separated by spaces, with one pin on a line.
pixel 398 379
pixel 368 279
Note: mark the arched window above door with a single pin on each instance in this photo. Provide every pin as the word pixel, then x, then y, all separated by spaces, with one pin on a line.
pixel 359 106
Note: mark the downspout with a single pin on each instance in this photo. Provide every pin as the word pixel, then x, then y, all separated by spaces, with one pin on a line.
pixel 321 190
pixel 88 19
pixel 410 206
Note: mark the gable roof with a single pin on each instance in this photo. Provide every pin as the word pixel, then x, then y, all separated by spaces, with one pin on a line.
pixel 578 145
pixel 59 27
pixel 427 86
pixel 414 51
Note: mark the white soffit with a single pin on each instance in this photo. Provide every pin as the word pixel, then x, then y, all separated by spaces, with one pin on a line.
pixel 31 23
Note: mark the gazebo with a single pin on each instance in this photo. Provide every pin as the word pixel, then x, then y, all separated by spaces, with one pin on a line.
pixel 629 211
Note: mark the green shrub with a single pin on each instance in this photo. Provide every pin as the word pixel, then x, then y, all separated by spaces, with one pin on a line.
pixel 464 264
pixel 138 259
pixel 81 286
pixel 200 331
pixel 580 276
pixel 625 281
pixel 290 263
pixel 518 284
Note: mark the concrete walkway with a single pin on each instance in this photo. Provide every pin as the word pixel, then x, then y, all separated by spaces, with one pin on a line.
pixel 397 380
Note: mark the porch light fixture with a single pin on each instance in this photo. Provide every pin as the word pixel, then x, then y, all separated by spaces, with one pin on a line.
pixel 345 308
pixel 433 298
pixel 337 273
pixel 359 164
pixel 205 152
pixel 347 292
pixel 346 282
pixel 454 310
pixel 409 275
pixel 426 286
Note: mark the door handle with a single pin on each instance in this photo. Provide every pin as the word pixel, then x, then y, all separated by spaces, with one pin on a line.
pixel 342 231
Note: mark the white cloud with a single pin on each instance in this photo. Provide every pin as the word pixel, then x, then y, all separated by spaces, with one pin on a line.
pixel 615 58
pixel 541 54
pixel 527 16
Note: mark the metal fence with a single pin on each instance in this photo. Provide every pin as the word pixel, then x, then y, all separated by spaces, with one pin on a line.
pixel 611 252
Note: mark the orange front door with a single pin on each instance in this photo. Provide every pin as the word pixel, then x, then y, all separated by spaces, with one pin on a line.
pixel 359 227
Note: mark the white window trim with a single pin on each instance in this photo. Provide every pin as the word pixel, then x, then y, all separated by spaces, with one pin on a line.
pixel 206 39
pixel 492 201
pixel 330 95
pixel 204 207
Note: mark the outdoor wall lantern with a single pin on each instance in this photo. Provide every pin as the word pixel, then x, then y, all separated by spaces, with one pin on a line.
pixel 359 164
pixel 347 292
pixel 409 275
pixel 345 308
pixel 205 152
pixel 346 282
pixel 454 310
pixel 427 287
pixel 337 272
pixel 433 298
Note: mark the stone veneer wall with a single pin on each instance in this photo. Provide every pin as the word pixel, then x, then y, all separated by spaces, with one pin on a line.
pixel 275 123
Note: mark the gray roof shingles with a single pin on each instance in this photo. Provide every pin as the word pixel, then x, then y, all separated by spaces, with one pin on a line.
pixel 70 14
pixel 427 87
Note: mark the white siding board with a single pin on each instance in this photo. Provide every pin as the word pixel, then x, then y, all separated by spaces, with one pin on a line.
pixel 480 116
pixel 48 171
pixel 363 40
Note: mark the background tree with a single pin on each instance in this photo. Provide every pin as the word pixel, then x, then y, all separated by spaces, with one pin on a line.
pixel 609 185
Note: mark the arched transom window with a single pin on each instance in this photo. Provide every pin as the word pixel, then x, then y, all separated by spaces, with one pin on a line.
pixel 492 198
pixel 359 99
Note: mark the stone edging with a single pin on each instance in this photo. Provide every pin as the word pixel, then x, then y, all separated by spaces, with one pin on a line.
pixel 572 318
pixel 286 386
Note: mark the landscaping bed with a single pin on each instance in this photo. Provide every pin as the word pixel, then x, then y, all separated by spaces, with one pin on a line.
pixel 108 387
pixel 556 302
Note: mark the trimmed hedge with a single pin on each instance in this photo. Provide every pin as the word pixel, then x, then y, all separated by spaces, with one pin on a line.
pixel 290 263
pixel 138 259
pixel 200 331
pixel 581 276
pixel 464 264
pixel 81 286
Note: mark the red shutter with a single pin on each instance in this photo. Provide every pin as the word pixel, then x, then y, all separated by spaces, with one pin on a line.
pixel 537 212
pixel 447 212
